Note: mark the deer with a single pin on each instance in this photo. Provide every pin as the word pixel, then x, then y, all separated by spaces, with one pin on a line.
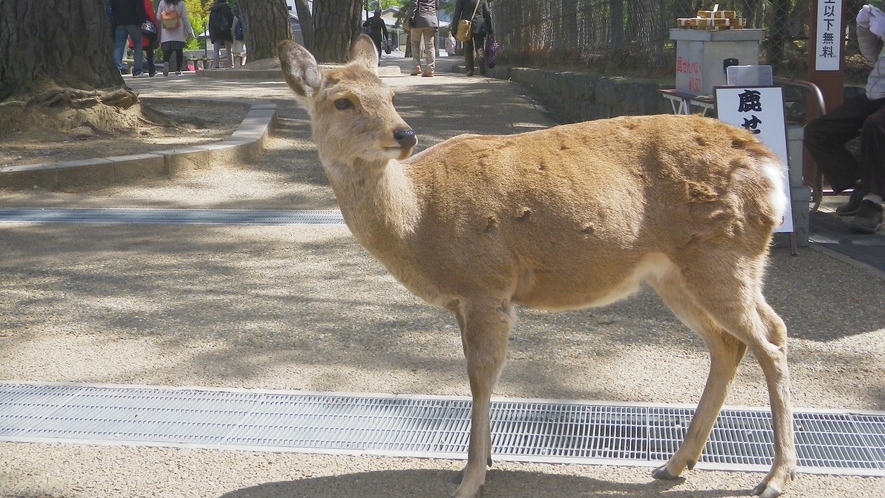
pixel 567 217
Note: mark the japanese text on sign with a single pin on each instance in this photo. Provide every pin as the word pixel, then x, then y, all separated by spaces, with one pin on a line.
pixel 692 69
pixel 759 110
pixel 829 39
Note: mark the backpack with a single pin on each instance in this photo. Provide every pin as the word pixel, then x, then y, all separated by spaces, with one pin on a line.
pixel 218 22
pixel 238 31
pixel 170 18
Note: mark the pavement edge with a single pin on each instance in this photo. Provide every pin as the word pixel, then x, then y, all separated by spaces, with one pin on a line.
pixel 244 145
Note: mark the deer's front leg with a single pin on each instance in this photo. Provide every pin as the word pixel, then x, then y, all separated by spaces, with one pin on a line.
pixel 485 328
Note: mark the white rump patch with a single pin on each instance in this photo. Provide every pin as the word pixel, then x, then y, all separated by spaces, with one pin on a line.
pixel 777 173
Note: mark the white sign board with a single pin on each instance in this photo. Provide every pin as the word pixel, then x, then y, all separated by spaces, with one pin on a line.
pixel 828 43
pixel 759 110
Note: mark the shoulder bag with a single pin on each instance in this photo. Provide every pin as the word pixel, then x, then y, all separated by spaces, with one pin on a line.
pixel 465 26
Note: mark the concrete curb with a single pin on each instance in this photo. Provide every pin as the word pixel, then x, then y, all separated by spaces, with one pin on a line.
pixel 276 74
pixel 244 145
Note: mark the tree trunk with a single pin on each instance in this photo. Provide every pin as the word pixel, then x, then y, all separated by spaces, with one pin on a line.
pixel 305 19
pixel 266 23
pixel 55 43
pixel 616 23
pixel 777 33
pixel 336 24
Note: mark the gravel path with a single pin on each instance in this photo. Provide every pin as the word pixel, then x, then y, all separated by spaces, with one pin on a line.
pixel 306 308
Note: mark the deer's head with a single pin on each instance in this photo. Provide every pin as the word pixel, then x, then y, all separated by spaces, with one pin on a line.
pixel 351 109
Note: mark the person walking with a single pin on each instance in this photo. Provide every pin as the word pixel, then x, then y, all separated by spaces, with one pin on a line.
pixel 424 22
pixel 126 18
pixel 863 116
pixel 239 37
pixel 149 39
pixel 221 23
pixel 176 29
pixel 481 26
pixel 377 30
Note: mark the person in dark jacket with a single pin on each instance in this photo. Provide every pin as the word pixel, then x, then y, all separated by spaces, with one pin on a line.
pixel 221 23
pixel 126 18
pixel 482 26
pixel 863 116
pixel 149 40
pixel 377 30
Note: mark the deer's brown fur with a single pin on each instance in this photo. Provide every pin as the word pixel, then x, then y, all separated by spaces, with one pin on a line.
pixel 573 216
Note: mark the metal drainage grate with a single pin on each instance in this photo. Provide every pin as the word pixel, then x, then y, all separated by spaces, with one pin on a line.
pixel 172 216
pixel 832 442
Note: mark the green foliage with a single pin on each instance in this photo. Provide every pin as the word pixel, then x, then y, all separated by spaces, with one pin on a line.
pixel 199 17
pixel 447 6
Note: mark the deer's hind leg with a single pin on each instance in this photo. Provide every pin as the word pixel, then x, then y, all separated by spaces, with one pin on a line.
pixel 728 290
pixel 726 353
pixel 772 357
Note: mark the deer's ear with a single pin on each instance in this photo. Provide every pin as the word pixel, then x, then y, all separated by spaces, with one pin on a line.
pixel 300 69
pixel 364 52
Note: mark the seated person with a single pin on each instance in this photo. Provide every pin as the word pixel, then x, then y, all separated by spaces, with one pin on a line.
pixel 863 116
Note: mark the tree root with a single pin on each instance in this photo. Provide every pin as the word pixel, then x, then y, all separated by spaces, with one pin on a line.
pixel 73 98
pixel 63 110
pixel 13 104
pixel 154 117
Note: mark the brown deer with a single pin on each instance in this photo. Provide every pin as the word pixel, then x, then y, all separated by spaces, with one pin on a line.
pixel 573 216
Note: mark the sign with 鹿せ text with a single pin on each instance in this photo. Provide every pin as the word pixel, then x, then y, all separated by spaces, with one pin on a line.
pixel 759 110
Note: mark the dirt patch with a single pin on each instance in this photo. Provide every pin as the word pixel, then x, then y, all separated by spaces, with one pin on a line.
pixel 146 127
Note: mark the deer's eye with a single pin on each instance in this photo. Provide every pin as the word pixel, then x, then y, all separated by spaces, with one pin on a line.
pixel 342 104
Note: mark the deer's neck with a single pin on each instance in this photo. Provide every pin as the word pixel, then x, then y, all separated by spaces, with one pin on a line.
pixel 378 203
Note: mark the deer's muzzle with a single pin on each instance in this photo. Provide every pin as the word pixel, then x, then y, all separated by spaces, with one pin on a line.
pixel 405 138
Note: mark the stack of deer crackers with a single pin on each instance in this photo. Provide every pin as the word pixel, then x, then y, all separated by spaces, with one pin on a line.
pixel 712 20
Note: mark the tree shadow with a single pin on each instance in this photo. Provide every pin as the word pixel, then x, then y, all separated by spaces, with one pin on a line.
pixel 430 483
pixel 274 297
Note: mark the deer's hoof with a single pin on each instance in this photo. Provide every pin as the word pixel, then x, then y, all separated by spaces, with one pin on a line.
pixel 775 482
pixel 663 474
pixel 764 490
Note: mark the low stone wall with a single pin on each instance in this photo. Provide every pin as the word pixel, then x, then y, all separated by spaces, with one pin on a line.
pixel 582 97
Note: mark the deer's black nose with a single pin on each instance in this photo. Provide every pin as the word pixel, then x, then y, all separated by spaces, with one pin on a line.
pixel 406 138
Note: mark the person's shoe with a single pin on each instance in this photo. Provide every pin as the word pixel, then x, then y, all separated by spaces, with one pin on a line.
pixel 139 75
pixel 415 71
pixel 152 73
pixel 470 73
pixel 482 65
pixel 868 218
pixel 177 73
pixel 165 69
pixel 428 73
pixel 850 207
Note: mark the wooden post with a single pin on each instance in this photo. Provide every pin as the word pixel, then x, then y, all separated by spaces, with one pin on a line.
pixel 830 81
